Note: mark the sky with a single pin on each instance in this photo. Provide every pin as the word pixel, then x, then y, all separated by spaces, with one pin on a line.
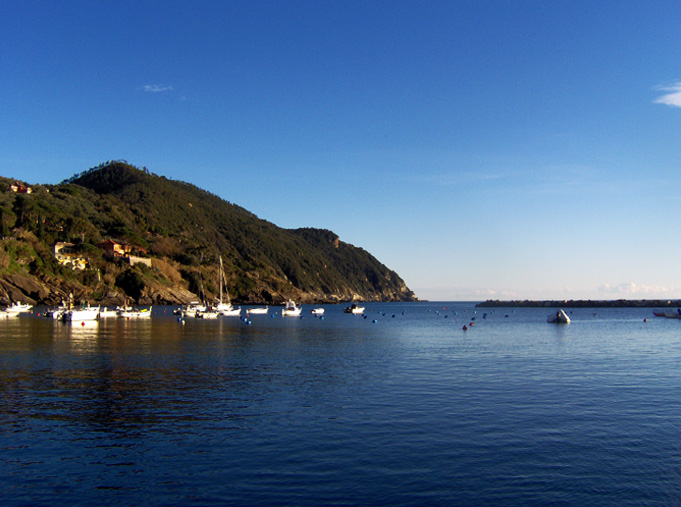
pixel 481 149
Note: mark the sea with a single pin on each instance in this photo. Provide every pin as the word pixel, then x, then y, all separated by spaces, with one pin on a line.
pixel 399 407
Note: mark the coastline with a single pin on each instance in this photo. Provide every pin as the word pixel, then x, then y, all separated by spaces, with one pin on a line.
pixel 583 303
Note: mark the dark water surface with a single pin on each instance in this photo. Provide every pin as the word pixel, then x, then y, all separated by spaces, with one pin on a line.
pixel 407 410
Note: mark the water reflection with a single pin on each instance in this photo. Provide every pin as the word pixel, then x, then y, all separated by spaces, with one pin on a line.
pixel 83 336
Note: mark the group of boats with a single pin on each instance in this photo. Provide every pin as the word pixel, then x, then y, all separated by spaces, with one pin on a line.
pixel 86 312
pixel 668 314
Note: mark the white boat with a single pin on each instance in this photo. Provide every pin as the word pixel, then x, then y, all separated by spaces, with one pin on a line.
pixel 57 313
pixel 354 308
pixel 258 311
pixel 133 313
pixel 15 309
pixel 291 309
pixel 559 317
pixel 226 309
pixel 106 312
pixel 317 311
pixel 191 309
pixel 669 314
pixel 208 314
pixel 82 314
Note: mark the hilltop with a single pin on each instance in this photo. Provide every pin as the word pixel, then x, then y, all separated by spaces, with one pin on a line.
pixel 171 235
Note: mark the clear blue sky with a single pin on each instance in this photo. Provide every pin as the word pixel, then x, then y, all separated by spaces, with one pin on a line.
pixel 482 149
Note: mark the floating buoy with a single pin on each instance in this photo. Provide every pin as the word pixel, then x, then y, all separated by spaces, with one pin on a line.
pixel 464 327
pixel 374 321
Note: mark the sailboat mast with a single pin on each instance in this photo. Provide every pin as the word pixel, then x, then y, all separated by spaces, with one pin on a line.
pixel 220 280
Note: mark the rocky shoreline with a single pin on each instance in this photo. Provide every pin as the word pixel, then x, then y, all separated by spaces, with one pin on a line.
pixel 45 290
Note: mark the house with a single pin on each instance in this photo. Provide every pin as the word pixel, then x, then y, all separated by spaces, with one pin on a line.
pixel 113 248
pixel 19 188
pixel 66 255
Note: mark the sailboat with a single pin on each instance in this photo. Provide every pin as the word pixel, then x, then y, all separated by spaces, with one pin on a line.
pixel 226 309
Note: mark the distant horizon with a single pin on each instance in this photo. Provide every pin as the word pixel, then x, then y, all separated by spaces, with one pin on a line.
pixel 481 150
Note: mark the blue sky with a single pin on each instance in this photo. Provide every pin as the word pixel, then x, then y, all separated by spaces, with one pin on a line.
pixel 481 149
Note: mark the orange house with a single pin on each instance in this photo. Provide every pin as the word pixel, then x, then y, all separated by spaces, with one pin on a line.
pixel 114 248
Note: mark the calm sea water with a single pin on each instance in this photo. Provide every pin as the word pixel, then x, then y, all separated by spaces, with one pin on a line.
pixel 401 408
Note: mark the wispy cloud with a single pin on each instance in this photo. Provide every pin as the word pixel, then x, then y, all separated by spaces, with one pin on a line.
pixel 670 99
pixel 632 289
pixel 157 88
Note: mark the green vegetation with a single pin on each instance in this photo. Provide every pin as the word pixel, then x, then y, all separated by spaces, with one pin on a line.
pixel 184 230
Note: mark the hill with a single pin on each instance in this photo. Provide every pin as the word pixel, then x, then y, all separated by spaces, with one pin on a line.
pixel 176 233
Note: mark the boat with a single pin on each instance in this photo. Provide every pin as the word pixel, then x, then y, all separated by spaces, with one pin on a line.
pixel 668 314
pixel 317 311
pixel 107 312
pixel 191 309
pixel 128 312
pixel 257 311
pixel 354 308
pixel 57 313
pixel 15 309
pixel 291 309
pixel 208 314
pixel 559 317
pixel 226 309
pixel 85 312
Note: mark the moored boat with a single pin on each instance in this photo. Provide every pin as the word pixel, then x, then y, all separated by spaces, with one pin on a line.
pixel 258 311
pixel 191 309
pixel 291 309
pixel 354 308
pixel 107 312
pixel 85 312
pixel 56 313
pixel 559 317
pixel 128 312
pixel 226 309
pixel 15 309
pixel 317 311
pixel 208 314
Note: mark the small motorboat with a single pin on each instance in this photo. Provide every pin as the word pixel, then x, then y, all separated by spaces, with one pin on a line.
pixel 107 312
pixel 128 312
pixel 291 309
pixel 15 309
pixel 559 317
pixel 257 311
pixel 208 314
pixel 354 308
pixel 191 309
pixel 85 312
pixel 317 311
pixel 230 311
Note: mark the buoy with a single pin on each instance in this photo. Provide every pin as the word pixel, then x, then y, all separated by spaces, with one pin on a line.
pixel 82 323
pixel 374 321
pixel 464 327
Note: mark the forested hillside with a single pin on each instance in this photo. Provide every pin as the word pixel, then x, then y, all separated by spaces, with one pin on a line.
pixel 182 231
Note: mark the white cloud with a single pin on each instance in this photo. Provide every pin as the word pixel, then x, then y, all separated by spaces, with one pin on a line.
pixel 670 99
pixel 633 289
pixel 157 88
